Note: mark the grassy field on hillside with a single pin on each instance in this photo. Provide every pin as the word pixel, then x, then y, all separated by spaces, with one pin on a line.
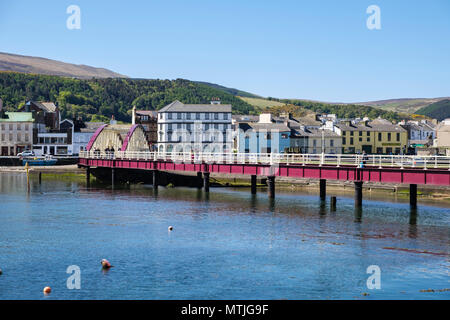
pixel 261 103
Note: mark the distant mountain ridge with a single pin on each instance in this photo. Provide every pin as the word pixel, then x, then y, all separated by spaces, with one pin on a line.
pixel 37 65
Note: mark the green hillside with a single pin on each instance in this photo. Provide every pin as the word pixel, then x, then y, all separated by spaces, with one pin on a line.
pixel 341 110
pixel 261 103
pixel 234 92
pixel 439 110
pixel 99 99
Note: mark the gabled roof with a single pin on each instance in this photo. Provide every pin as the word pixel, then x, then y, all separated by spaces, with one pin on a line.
pixel 44 106
pixel 150 113
pixel 177 106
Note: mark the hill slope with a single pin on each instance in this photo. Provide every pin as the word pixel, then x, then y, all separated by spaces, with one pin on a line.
pixel 36 65
pixel 98 99
pixel 405 105
pixel 234 92
pixel 439 110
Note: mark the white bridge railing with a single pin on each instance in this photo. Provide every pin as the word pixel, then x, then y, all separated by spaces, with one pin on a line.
pixel 398 161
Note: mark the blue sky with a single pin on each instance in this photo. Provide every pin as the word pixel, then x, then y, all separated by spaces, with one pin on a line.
pixel 319 50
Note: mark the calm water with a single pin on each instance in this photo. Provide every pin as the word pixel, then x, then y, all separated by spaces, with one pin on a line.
pixel 229 245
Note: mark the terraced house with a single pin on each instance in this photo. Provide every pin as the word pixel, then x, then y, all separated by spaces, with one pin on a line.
pixel 16 132
pixel 373 137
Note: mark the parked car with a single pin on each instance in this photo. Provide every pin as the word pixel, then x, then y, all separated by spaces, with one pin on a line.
pixel 26 153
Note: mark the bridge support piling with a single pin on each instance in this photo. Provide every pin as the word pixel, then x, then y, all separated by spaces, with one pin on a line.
pixel 112 178
pixel 253 182
pixel 323 189
pixel 413 195
pixel 88 176
pixel 40 177
pixel 358 193
pixel 206 181
pixel 155 179
pixel 271 185
pixel 199 180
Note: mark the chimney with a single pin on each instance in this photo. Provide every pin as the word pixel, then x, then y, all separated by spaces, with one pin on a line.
pixel 133 116
pixel 112 121
pixel 215 100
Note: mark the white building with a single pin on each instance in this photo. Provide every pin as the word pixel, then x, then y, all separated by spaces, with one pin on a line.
pixel 69 140
pixel 195 127
pixel 16 132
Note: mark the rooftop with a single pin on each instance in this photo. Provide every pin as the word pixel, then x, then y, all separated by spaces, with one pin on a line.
pixel 178 106
pixel 17 117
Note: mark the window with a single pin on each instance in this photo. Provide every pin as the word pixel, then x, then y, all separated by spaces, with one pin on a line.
pixel 207 116
pixel 179 115
pixel 26 137
pixel 351 133
pixel 398 137
pixel 188 116
pixel 206 126
pixel 351 141
pixel 368 139
pixel 389 136
pixel 360 139
pixel 3 137
pixel 360 133
pixel 314 144
pixel 169 127
pixel 216 126
pixel 169 116
pixel 10 126
pixel 225 116
pixel 216 116
pixel 268 136
pixel 397 150
pixel 3 126
pixel 344 140
pixel 197 116
pixel 19 137
pixel 331 143
pixel 379 136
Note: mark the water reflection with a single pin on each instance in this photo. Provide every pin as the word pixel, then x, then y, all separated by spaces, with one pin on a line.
pixel 358 214
pixel 413 222
pixel 227 244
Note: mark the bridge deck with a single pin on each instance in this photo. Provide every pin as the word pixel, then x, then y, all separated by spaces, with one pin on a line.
pixel 439 175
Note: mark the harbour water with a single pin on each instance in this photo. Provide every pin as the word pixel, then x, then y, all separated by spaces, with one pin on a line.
pixel 225 245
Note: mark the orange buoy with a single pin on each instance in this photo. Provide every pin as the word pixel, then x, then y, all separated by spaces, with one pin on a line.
pixel 170 228
pixel 105 264
pixel 47 290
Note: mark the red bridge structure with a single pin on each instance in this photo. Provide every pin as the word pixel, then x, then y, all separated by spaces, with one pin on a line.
pixel 412 170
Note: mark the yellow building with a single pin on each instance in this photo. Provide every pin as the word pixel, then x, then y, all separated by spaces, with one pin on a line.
pixel 374 137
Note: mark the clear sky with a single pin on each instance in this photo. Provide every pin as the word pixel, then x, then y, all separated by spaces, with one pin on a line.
pixel 319 49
